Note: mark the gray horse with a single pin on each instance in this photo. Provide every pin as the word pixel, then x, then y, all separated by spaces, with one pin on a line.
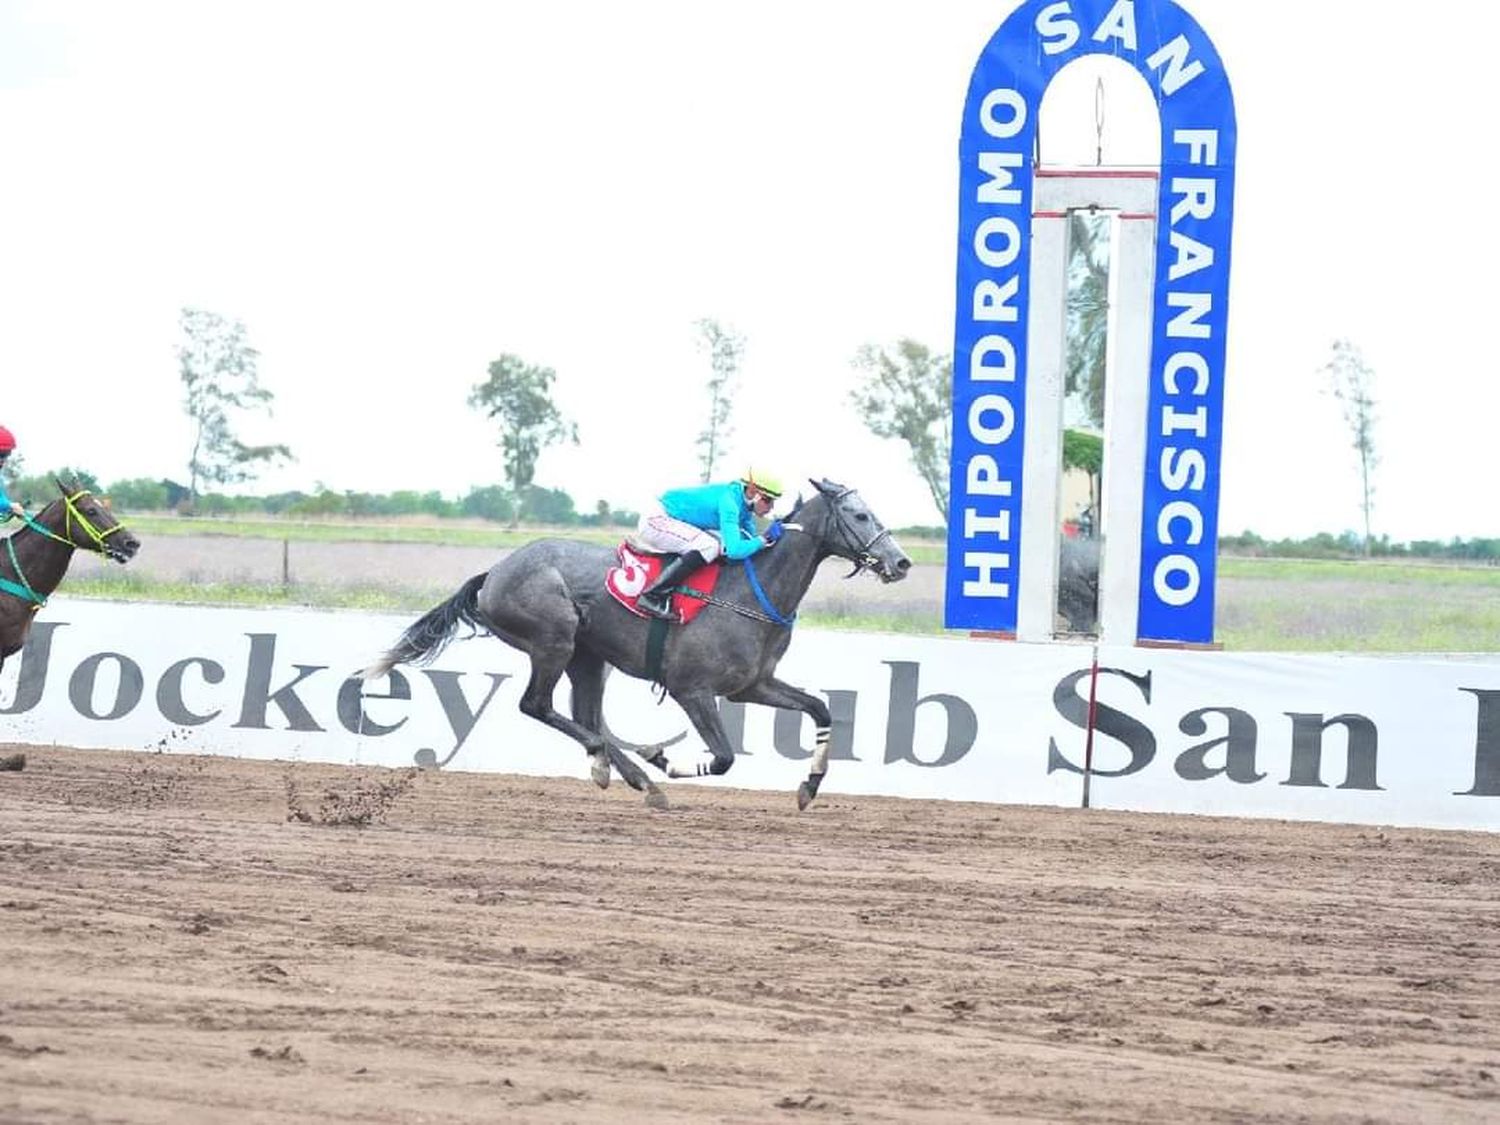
pixel 548 600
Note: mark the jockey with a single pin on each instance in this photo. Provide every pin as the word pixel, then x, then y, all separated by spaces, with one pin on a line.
pixel 699 523
pixel 7 447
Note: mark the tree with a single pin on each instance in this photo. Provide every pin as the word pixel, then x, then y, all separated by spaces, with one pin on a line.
pixel 1088 312
pixel 910 396
pixel 549 505
pixel 1352 382
pixel 141 494
pixel 1085 452
pixel 218 369
pixel 518 395
pixel 725 349
pixel 489 502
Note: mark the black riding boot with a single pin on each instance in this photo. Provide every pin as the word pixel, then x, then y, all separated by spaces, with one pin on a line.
pixel 656 599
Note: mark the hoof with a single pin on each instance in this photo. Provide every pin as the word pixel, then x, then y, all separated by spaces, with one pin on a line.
pixel 655 798
pixel 599 769
pixel 808 790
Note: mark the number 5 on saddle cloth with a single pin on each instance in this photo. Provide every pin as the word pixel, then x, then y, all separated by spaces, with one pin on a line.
pixel 639 568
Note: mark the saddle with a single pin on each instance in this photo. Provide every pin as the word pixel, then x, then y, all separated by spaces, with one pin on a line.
pixel 639 567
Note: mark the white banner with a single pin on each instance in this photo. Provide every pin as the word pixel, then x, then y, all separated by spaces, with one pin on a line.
pixel 1360 740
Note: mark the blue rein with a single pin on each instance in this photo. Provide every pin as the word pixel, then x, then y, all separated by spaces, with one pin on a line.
pixel 765 602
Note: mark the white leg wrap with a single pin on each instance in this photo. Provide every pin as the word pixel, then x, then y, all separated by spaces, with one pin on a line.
pixel 703 767
pixel 820 753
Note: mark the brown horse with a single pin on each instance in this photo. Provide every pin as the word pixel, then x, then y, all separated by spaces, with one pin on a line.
pixel 35 557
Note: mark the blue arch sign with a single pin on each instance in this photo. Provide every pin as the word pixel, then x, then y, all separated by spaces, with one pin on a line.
pixel 1194 211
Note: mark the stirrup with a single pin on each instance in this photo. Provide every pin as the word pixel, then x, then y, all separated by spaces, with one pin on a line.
pixel 658 604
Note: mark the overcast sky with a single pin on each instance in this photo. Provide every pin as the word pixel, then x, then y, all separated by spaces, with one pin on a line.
pixel 390 195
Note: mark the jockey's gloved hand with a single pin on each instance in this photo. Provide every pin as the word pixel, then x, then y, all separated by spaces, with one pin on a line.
pixel 774 532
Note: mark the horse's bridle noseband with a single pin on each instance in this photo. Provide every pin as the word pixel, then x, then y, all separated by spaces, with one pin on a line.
pixel 22 588
pixel 860 554
pixel 70 504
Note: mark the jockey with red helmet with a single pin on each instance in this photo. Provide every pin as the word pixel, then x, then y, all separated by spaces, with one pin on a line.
pixel 702 522
pixel 7 447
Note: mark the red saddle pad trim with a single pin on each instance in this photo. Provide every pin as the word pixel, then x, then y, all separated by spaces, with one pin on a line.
pixel 638 569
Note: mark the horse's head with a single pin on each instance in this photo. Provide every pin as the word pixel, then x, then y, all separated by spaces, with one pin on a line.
pixel 82 519
pixel 851 531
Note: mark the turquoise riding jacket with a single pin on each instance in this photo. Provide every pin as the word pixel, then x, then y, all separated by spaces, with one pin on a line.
pixel 719 508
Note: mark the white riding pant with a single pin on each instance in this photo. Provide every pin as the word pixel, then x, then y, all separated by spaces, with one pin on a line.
pixel 658 531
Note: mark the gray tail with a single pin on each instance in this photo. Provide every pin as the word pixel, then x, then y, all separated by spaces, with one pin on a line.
pixel 429 634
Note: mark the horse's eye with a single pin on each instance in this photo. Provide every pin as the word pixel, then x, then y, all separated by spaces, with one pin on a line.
pixel 862 517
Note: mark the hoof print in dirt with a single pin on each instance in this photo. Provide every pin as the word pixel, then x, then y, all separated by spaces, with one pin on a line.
pixel 806 1101
pixel 287 1054
pixel 9 1046
pixel 203 922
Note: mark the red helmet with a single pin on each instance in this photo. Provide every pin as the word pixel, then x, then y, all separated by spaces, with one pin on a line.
pixel 7 440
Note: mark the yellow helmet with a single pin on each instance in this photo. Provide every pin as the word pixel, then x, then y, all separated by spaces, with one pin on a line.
pixel 768 483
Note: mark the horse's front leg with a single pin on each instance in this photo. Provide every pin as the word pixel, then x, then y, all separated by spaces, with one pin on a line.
pixel 703 709
pixel 774 693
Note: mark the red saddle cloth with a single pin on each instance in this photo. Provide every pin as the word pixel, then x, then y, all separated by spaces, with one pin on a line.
pixel 638 569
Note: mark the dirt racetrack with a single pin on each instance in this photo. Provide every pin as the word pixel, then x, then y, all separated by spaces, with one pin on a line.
pixel 174 948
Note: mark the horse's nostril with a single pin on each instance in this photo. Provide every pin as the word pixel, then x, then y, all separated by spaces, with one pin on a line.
pixel 904 565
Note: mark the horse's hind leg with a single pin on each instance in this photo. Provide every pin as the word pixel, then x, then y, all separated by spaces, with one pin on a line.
pixel 586 673
pixel 536 615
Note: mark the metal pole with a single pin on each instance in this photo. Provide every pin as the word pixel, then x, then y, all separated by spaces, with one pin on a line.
pixel 1088 740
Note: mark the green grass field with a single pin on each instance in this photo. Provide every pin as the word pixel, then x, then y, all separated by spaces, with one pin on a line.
pixel 1268 605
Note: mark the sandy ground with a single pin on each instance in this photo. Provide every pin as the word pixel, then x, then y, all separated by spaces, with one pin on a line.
pixel 191 939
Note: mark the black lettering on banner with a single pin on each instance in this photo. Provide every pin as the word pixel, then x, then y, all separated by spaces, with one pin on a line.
pixel 787 730
pixel 351 710
pixel 1486 744
pixel 732 717
pixel 85 678
pixel 901 721
pixel 169 700
pixel 1238 742
pixel 32 679
pixel 259 696
pixel 1112 722
pixel 461 720
pixel 1307 750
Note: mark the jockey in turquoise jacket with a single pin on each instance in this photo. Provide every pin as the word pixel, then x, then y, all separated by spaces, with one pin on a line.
pixel 720 508
pixel 8 507
pixel 700 523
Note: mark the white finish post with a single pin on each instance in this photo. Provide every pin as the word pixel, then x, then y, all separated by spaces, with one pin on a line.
pixel 1041 481
pixel 1127 376
pixel 1132 196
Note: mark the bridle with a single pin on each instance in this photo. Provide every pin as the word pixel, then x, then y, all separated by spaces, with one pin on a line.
pixel 860 554
pixel 98 538
pixel 23 589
